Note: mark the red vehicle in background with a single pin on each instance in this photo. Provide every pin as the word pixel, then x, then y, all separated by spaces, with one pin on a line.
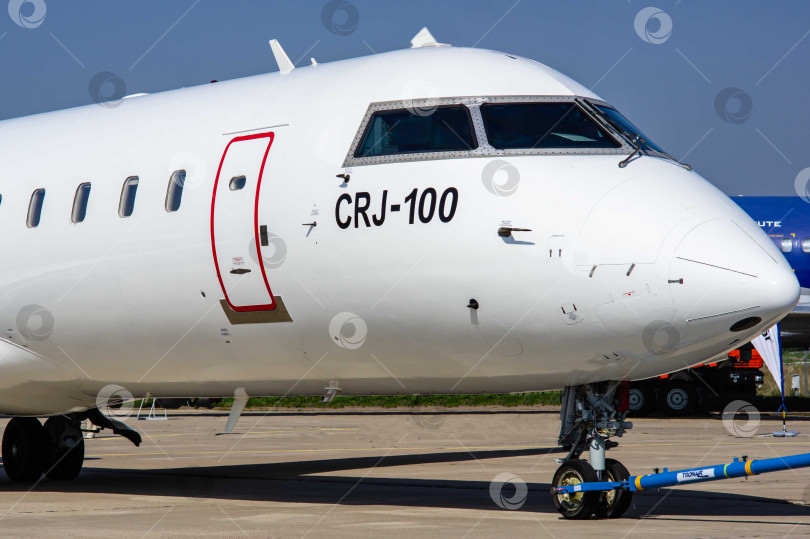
pixel 704 388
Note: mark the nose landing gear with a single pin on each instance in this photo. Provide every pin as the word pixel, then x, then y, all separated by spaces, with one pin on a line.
pixel 590 415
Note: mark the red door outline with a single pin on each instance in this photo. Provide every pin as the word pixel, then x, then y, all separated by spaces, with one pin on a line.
pixel 246 308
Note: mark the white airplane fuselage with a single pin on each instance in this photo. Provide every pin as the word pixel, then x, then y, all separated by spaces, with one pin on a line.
pixel 624 272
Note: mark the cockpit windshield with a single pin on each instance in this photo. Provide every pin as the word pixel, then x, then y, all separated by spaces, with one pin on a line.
pixel 511 126
pixel 624 126
pixel 480 126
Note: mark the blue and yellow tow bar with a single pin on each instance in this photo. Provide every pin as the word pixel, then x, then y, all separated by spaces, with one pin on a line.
pixel 738 468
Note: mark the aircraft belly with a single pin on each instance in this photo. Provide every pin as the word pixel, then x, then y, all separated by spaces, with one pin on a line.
pixel 33 385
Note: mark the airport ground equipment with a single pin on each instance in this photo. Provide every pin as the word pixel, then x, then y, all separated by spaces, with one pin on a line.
pixel 704 387
pixel 577 493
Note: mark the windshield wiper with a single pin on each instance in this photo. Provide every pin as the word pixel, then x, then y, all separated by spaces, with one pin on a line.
pixel 639 144
pixel 636 143
pixel 608 124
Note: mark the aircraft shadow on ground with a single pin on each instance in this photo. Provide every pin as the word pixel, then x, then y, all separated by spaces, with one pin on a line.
pixel 295 482
pixel 355 412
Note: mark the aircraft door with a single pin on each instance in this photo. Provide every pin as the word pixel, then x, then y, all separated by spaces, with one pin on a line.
pixel 236 234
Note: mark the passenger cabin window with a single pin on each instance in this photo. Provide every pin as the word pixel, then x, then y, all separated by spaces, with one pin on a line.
pixel 127 204
pixel 174 194
pixel 80 203
pixel 237 183
pixel 35 208
pixel 402 131
pixel 806 245
pixel 787 245
pixel 511 126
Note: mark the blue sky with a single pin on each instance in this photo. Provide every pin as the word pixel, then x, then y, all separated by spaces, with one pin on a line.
pixel 752 140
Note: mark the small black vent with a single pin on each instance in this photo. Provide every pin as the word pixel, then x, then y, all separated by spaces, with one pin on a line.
pixel 745 323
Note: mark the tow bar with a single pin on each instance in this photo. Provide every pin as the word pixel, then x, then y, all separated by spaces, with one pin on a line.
pixel 737 468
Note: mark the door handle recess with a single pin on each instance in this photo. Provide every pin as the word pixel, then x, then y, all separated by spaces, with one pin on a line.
pixel 506 231
pixel 240 271
pixel 263 236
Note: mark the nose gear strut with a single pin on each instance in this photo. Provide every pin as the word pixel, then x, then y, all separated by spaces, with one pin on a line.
pixel 589 416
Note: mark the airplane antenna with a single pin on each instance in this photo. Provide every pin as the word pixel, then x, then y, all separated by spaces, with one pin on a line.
pixel 283 61
pixel 425 39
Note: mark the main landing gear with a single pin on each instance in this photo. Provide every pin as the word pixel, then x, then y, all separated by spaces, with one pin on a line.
pixel 590 415
pixel 56 449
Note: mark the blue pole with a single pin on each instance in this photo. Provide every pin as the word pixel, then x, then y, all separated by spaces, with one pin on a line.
pixel 721 471
pixel 737 468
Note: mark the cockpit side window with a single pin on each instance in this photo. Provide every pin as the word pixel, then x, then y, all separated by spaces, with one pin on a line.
pixel 404 131
pixel 512 126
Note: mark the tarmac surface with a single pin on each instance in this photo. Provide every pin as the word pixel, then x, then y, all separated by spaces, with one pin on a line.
pixel 372 473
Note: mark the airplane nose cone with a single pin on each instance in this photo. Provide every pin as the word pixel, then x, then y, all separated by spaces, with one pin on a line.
pixel 722 277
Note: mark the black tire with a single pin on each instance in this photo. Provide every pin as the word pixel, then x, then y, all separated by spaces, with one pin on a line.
pixel 613 503
pixel 66 465
pixel 641 401
pixel 24 449
pixel 677 398
pixel 582 504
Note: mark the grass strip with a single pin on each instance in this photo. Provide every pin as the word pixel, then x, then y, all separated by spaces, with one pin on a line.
pixel 403 401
